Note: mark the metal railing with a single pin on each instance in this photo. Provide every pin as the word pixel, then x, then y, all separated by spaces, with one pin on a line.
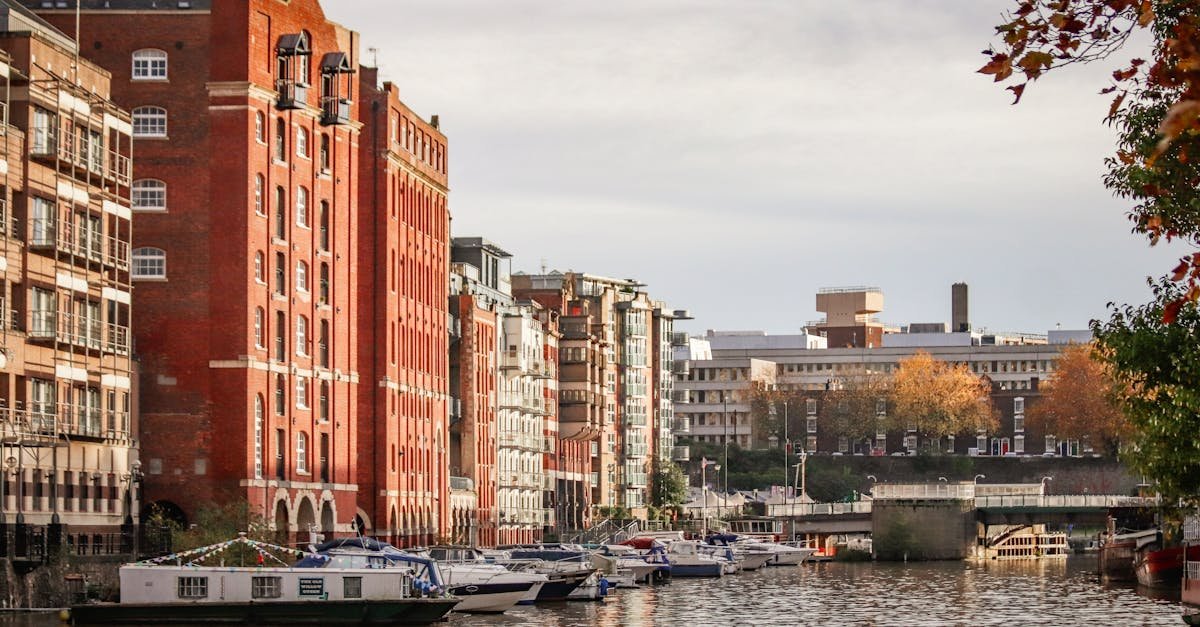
pixel 681 425
pixel 924 491
pixel 464 484
pixel 681 453
pixel 1089 501
pixel 818 509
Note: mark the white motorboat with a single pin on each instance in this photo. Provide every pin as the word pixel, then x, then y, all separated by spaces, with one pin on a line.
pixel 483 587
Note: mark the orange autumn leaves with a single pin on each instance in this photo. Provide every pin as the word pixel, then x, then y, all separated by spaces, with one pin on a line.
pixel 938 398
pixel 1081 401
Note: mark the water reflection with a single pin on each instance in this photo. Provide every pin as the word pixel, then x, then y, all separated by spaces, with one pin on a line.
pixel 1061 592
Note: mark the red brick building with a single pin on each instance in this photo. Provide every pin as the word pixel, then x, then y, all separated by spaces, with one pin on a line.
pixel 251 139
pixel 403 276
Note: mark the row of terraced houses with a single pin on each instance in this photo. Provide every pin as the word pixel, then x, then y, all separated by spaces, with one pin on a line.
pixel 227 276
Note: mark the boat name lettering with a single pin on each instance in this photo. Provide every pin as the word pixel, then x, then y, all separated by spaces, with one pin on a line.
pixel 312 586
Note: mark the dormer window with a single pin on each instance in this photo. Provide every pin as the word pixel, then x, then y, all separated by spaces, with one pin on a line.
pixel 291 78
pixel 336 74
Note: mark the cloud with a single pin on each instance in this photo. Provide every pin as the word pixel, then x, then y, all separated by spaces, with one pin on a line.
pixel 737 156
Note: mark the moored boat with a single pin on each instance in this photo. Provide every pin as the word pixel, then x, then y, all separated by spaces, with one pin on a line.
pixel 172 590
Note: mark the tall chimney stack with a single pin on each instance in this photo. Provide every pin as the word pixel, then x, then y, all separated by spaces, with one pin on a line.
pixel 960 320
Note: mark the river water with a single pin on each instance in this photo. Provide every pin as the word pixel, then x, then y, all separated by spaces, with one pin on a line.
pixel 1060 592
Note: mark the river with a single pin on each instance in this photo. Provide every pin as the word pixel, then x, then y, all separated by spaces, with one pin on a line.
pixel 1061 592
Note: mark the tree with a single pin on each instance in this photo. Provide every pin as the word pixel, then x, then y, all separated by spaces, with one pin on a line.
pixel 939 399
pixel 1082 401
pixel 669 486
pixel 770 405
pixel 1155 106
pixel 853 403
pixel 1159 361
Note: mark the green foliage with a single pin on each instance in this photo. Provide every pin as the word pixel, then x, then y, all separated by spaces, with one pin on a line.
pixel 613 511
pixel 1160 362
pixel 217 523
pixel 897 541
pixel 669 485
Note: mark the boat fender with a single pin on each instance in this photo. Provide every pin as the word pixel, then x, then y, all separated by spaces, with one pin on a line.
pixel 603 587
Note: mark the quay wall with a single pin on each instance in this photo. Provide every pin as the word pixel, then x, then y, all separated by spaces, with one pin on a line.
pixel 46 586
pixel 923 530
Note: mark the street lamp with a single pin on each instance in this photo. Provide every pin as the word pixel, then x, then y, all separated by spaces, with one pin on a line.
pixel 704 464
pixel 978 477
pixel 725 416
pixel 1044 480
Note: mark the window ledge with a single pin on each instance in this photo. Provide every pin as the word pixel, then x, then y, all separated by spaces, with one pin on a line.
pixel 151 279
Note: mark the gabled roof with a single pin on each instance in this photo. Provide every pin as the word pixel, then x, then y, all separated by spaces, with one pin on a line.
pixel 294 44
pixel 336 63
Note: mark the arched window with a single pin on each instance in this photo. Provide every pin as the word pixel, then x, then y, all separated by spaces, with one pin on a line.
pixel 258 327
pixel 302 142
pixel 280 336
pixel 280 274
pixel 258 435
pixel 302 392
pixel 302 452
pixel 149 121
pixel 301 335
pixel 258 267
pixel 302 206
pixel 301 276
pixel 280 139
pixel 258 195
pixel 260 127
pixel 149 263
pixel 148 195
pixel 149 64
pixel 280 395
pixel 280 212
pixel 323 240
pixel 324 153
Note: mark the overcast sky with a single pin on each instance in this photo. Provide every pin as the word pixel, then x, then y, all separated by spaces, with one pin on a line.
pixel 738 155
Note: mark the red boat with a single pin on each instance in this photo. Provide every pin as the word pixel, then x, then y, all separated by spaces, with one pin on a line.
pixel 1162 568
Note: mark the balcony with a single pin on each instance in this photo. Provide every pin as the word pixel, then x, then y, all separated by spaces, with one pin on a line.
pixel 679 338
pixel 524 441
pixel 681 397
pixel 453 327
pixel 43 141
pixel 635 420
pixel 636 450
pixel 681 368
pixel 335 110
pixel 681 454
pixel 454 406
pixel 292 95
pixel 579 397
pixel 681 426
pixel 636 480
pixel 461 484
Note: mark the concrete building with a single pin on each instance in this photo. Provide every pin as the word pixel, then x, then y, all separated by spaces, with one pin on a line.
pixel 720 393
pixel 69 467
pixel 849 316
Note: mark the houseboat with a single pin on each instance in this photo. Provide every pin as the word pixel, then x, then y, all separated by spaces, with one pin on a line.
pixel 180 588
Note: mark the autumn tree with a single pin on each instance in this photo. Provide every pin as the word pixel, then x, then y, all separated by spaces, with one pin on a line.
pixel 938 399
pixel 1155 104
pixel 770 405
pixel 1081 401
pixel 852 404
pixel 1160 364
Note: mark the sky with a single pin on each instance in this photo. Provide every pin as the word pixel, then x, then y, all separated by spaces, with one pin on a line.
pixel 739 155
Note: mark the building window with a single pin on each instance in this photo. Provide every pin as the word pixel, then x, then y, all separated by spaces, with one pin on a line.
pixel 302 392
pixel 192 587
pixel 323 296
pixel 260 130
pixel 323 345
pixel 280 274
pixel 351 587
pixel 1019 405
pixel 259 314
pixel 810 444
pixel 280 402
pixel 280 336
pixel 880 407
pixel 258 195
pixel 323 240
pixel 259 420
pixel 323 402
pixel 1018 423
pixel 1018 443
pixel 981 444
pixel 323 153
pixel 280 212
pixel 149 195
pixel 44 222
pixel 301 335
pixel 266 587
pixel 302 206
pixel 44 134
pixel 843 444
pixel 301 276
pixel 302 453
pixel 258 267
pixel 149 64
pixel 810 405
pixel 910 442
pixel 1051 444
pixel 812 425
pixel 149 263
pixel 280 139
pixel 149 122
pixel 302 142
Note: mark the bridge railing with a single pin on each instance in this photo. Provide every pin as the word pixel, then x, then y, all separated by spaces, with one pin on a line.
pixel 1097 501
pixel 924 491
pixel 818 509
